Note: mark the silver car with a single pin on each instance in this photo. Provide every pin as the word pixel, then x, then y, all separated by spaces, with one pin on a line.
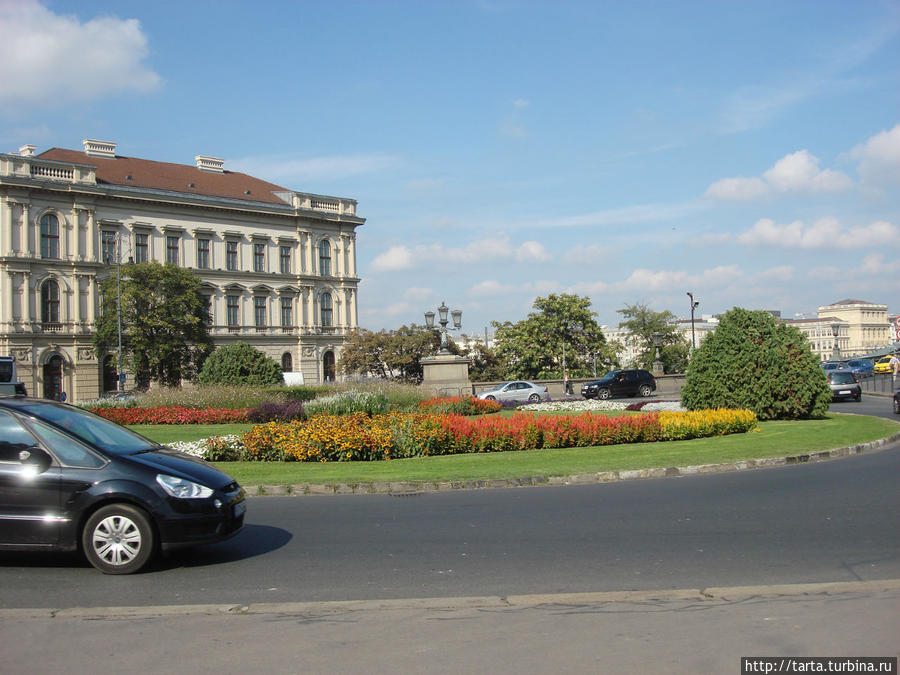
pixel 519 391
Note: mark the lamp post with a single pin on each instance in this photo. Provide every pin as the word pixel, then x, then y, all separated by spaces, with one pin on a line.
pixel 443 310
pixel 694 305
pixel 119 373
pixel 657 343
pixel 835 331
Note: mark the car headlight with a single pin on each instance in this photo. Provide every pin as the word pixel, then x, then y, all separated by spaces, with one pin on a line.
pixel 181 488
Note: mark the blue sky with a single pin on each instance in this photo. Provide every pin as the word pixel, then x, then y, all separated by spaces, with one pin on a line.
pixel 747 152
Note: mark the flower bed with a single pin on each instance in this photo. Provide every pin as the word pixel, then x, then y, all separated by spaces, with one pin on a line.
pixel 460 405
pixel 173 415
pixel 356 436
pixel 591 405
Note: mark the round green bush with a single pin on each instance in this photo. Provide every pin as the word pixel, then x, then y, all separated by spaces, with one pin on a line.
pixel 752 361
pixel 240 364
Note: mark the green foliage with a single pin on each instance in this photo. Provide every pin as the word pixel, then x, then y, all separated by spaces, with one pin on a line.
pixel 346 403
pixel 394 354
pixel 164 320
pixel 298 393
pixel 564 324
pixel 240 364
pixel 642 322
pixel 751 361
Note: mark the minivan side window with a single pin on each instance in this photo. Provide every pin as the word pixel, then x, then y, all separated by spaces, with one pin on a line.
pixel 13 438
pixel 69 452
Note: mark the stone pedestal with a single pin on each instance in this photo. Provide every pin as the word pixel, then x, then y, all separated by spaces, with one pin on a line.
pixel 446 375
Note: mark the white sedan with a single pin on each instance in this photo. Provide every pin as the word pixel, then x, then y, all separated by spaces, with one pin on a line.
pixel 519 391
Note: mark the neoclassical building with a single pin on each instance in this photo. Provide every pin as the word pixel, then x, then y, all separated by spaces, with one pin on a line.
pixel 278 267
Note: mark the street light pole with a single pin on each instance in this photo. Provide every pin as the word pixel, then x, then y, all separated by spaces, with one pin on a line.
pixel 443 310
pixel 694 305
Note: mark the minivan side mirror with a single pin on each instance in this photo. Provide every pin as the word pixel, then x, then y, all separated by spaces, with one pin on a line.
pixel 35 456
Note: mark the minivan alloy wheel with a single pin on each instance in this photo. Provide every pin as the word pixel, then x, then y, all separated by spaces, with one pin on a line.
pixel 118 539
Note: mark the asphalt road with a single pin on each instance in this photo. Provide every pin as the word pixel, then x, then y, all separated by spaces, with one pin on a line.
pixel 830 521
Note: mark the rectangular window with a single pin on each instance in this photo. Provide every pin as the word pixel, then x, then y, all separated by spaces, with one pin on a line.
pixel 231 255
pixel 49 236
pixel 108 247
pixel 172 246
pixel 287 314
pixel 141 247
pixel 285 259
pixel 203 254
pixel 232 303
pixel 259 257
pixel 259 311
pixel 208 308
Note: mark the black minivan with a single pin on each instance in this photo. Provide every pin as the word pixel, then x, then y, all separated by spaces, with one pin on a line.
pixel 620 383
pixel 72 480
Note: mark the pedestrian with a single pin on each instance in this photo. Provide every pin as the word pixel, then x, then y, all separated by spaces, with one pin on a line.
pixel 566 384
pixel 895 365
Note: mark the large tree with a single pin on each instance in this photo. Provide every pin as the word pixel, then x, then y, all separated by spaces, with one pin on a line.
pixel 642 322
pixel 164 322
pixel 394 354
pixel 752 361
pixel 561 334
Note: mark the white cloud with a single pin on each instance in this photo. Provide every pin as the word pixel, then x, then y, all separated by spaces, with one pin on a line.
pixel 629 215
pixel 492 288
pixel 824 233
pixel 782 273
pixel 500 247
pixel 418 294
pixel 286 171
pixel 664 280
pixel 879 158
pixel 49 57
pixel 737 189
pixel 797 172
pixel 532 251
pixel 395 258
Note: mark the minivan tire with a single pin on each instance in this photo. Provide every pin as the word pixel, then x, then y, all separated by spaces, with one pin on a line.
pixel 603 394
pixel 646 390
pixel 118 539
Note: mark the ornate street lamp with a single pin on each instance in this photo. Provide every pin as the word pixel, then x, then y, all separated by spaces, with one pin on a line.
pixel 443 311
pixel 835 331
pixel 657 343
pixel 694 305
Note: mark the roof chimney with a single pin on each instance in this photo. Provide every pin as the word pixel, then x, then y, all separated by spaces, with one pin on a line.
pixel 212 164
pixel 27 151
pixel 99 148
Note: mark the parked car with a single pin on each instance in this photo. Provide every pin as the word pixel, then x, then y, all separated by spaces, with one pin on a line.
pixel 882 364
pixel 830 366
pixel 861 367
pixel 620 383
pixel 71 480
pixel 520 391
pixel 844 386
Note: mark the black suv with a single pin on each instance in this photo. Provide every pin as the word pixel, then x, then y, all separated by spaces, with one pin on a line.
pixel 621 383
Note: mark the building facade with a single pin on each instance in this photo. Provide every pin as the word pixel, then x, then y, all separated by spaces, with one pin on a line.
pixel 278 267
pixel 867 325
pixel 820 332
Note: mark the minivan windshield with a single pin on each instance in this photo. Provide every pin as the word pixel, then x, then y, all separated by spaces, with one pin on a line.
pixel 842 378
pixel 609 376
pixel 87 427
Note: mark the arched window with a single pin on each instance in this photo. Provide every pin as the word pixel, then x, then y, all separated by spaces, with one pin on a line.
pixel 325 309
pixel 49 236
pixel 287 362
pixel 325 258
pixel 53 371
pixel 49 304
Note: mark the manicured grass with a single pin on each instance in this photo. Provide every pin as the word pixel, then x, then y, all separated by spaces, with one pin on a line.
pixel 775 439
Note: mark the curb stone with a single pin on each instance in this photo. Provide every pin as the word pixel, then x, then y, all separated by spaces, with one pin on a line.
pixel 409 488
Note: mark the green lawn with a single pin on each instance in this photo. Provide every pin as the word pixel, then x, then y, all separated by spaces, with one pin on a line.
pixel 775 439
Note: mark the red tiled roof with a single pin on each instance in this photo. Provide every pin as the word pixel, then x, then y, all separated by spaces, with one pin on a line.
pixel 145 173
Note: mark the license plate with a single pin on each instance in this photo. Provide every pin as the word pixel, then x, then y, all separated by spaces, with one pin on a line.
pixel 845 391
pixel 239 509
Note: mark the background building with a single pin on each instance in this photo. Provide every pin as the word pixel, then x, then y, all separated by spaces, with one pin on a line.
pixel 278 267
pixel 867 325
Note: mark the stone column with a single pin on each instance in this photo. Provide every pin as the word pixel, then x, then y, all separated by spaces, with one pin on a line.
pixel 91 237
pixel 6 302
pixel 352 254
pixel 6 226
pixel 27 231
pixel 26 302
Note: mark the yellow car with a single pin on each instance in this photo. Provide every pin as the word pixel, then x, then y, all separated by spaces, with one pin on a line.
pixel 883 365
